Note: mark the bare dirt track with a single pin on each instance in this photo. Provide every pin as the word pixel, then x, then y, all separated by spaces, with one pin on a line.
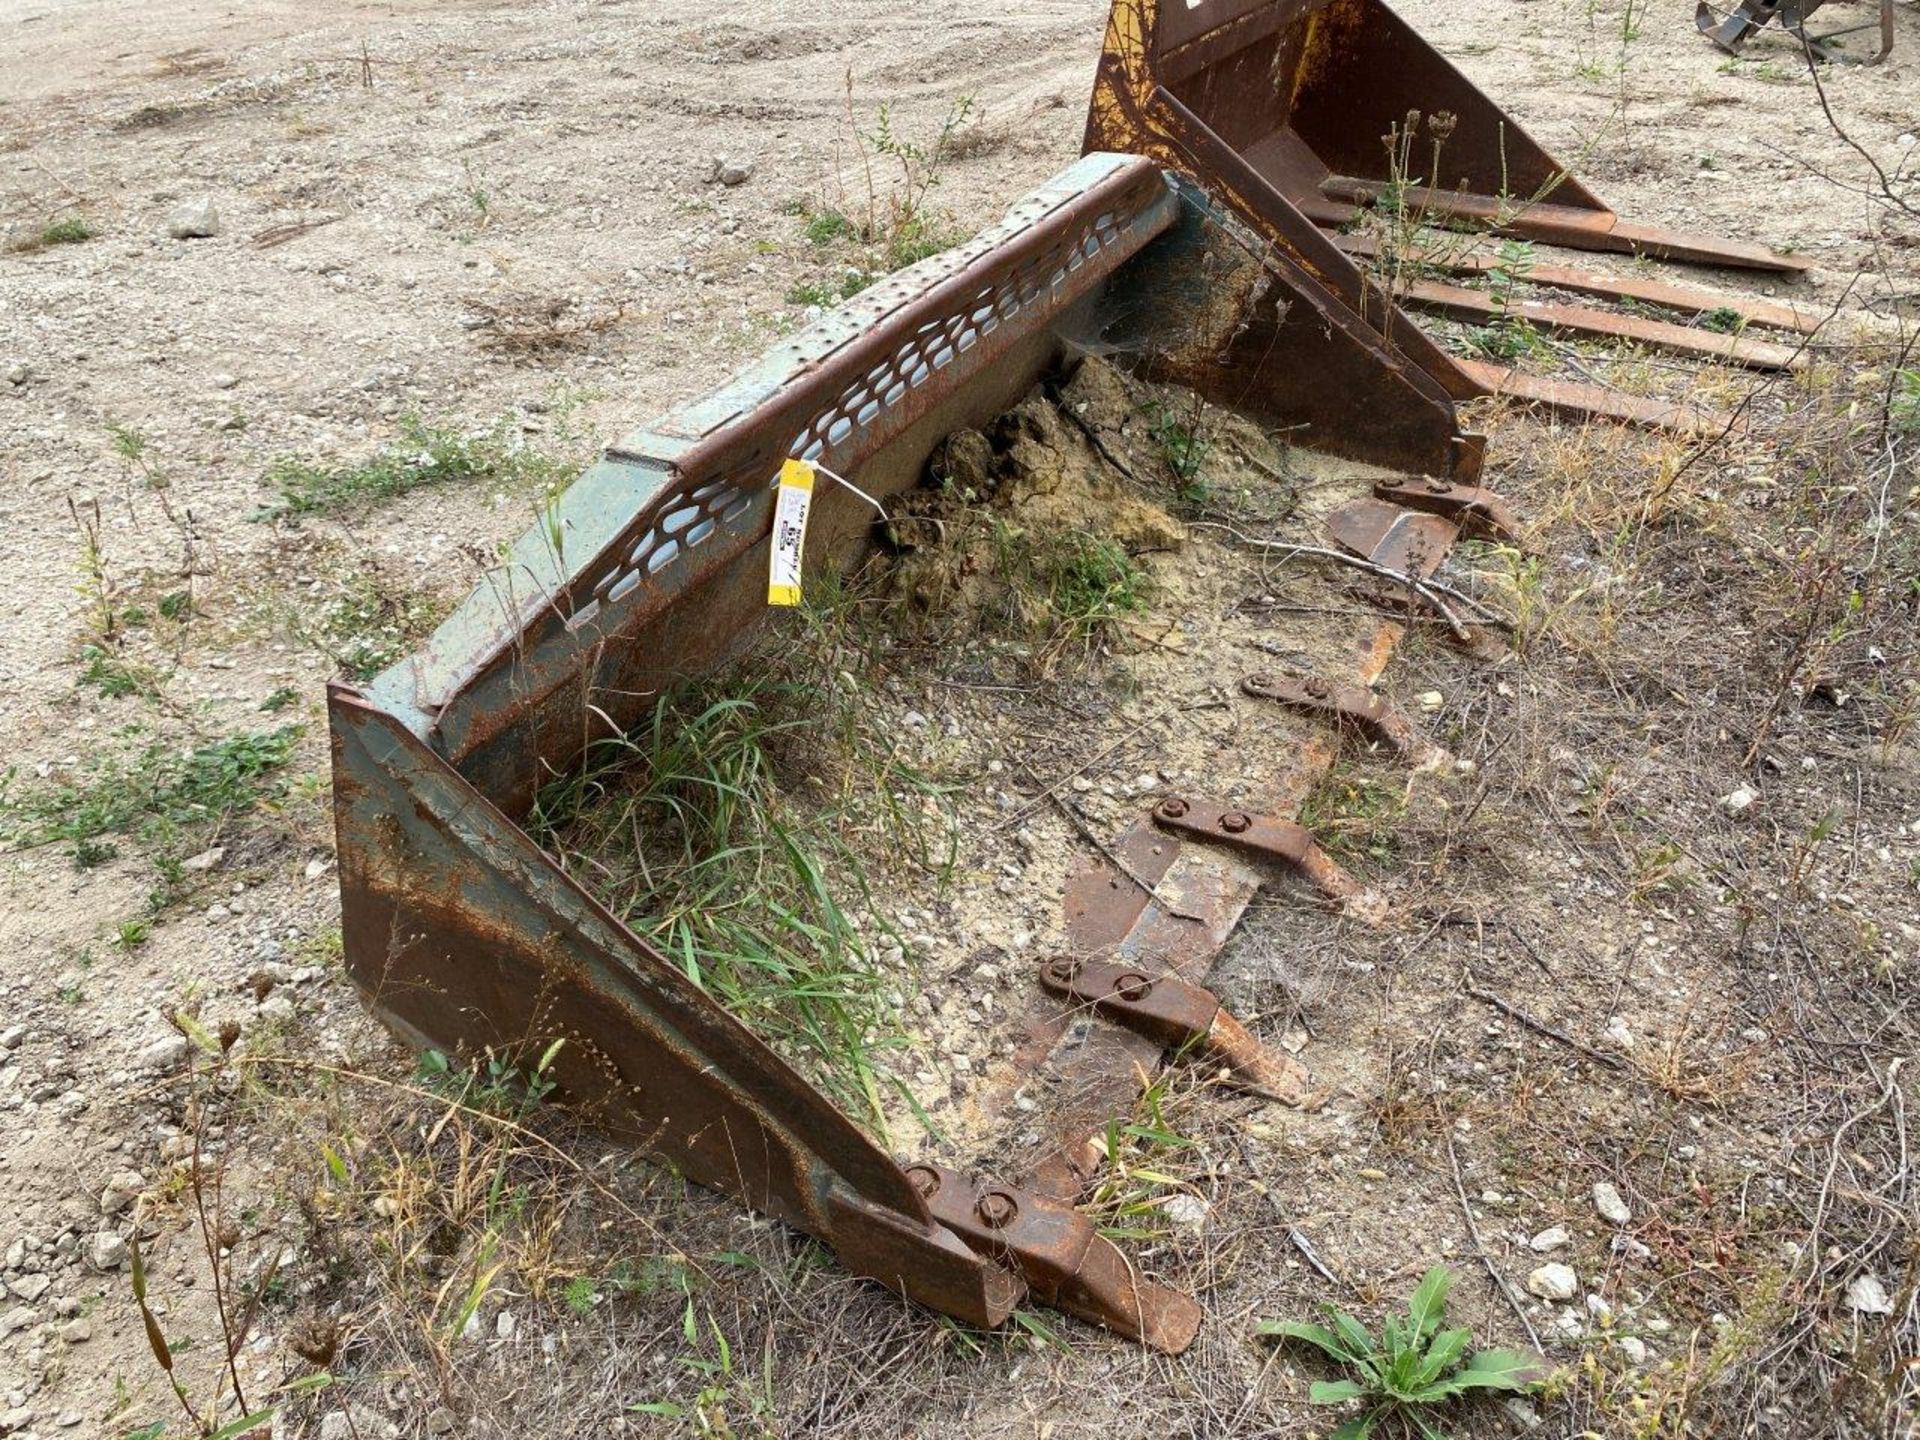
pixel 494 229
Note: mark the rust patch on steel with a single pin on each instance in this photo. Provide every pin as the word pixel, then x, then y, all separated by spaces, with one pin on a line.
pixel 1406 542
pixel 1179 1016
pixel 1062 1258
pixel 1353 707
pixel 1479 514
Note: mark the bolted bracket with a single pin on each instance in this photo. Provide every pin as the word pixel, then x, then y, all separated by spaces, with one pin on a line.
pixel 1353 707
pixel 1064 1260
pixel 1479 513
pixel 1177 1014
pixel 1263 837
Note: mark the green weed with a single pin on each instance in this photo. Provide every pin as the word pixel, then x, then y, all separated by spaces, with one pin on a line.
pixel 829 293
pixel 829 226
pixel 114 675
pixel 158 796
pixel 1723 319
pixel 74 230
pixel 424 455
pixel 368 625
pixel 1143 1157
pixel 1183 451
pixel 1090 581
pixel 688 827
pixel 890 226
pixel 1903 415
pixel 1414 1367
pixel 494 1085
pixel 1353 814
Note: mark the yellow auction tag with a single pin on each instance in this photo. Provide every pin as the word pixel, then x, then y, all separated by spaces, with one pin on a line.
pixel 789 532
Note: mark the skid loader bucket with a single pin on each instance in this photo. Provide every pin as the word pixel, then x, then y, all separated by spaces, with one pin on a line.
pixel 1730 29
pixel 463 934
pixel 1292 111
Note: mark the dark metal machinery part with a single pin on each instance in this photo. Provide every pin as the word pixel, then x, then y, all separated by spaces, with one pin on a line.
pixel 1731 29
pixel 1353 707
pixel 464 935
pixel 1263 837
pixel 1478 513
pixel 1277 107
pixel 1179 1015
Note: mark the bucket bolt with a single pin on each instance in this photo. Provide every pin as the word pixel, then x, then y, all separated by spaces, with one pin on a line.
pixel 996 1209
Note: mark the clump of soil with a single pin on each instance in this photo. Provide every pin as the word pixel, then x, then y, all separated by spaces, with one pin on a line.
pixel 1027 530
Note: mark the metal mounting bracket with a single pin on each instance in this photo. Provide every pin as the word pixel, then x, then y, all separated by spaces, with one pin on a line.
pixel 1263 837
pixel 1479 513
pixel 1352 707
pixel 1177 1014
pixel 1064 1260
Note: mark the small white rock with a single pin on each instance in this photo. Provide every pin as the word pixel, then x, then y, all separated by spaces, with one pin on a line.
pixel 1521 1413
pixel 1555 1237
pixel 1738 802
pixel 195 219
pixel 1554 1282
pixel 122 1188
pixel 1618 1035
pixel 1189 1212
pixel 106 1251
pixel 1612 1208
pixel 503 1325
pixel 1866 1295
pixel 1634 1348
pixel 163 1054
pixel 205 860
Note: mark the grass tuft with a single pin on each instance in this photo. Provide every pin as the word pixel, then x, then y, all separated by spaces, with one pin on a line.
pixel 74 230
pixel 692 829
pixel 423 456
pixel 158 796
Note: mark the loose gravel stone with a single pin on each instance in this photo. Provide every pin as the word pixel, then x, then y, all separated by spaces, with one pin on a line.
pixel 1554 1282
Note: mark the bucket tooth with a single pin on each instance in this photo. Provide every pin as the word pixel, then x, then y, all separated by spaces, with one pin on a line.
pixel 1410 543
pixel 1063 1259
pixel 1262 837
pixel 1352 707
pixel 1181 1016
pixel 1478 513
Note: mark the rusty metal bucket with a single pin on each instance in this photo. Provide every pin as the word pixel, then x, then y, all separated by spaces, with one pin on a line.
pixel 464 935
pixel 1281 109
